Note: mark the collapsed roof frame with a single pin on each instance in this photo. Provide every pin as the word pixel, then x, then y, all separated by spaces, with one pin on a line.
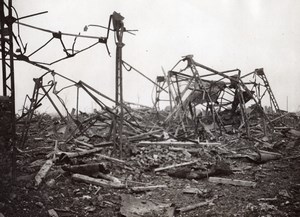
pixel 228 92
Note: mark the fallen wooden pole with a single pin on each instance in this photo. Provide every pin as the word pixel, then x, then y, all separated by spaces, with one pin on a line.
pixel 235 182
pixel 110 158
pixel 83 153
pixel 167 143
pixel 194 206
pixel 101 182
pixel 104 144
pixel 192 150
pixel 148 188
pixel 176 165
pixel 43 172
pixel 86 169
pixel 83 143
pixel 210 143
pixel 140 136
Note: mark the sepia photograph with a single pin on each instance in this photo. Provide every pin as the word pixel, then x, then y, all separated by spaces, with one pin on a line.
pixel 149 108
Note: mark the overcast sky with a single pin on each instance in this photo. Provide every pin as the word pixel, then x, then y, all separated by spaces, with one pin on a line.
pixel 222 34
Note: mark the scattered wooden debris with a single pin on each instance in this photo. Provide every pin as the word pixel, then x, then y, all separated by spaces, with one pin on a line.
pixel 101 182
pixel 176 165
pixel 111 158
pixel 135 207
pixel 197 191
pixel 81 154
pixel 235 182
pixel 166 143
pixel 148 188
pixel 43 172
pixel 195 206
pixel 83 143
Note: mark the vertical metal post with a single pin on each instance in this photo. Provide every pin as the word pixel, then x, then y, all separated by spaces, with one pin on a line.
pixel 119 30
pixel 8 77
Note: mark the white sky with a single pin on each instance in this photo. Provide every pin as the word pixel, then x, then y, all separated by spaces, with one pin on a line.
pixel 222 34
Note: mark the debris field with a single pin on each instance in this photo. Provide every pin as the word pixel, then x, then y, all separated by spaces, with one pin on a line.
pixel 209 145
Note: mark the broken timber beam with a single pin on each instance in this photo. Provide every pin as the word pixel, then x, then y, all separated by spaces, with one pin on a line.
pixel 43 172
pixel 168 143
pixel 176 165
pixel 83 143
pixel 141 136
pixel 83 153
pixel 148 188
pixel 101 182
pixel 111 158
pixel 235 182
pixel 194 206
pixel 104 144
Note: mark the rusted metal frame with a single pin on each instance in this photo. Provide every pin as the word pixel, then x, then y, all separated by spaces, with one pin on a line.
pixel 101 104
pixel 180 105
pixel 200 83
pixel 157 95
pixel 66 34
pixel 81 83
pixel 246 75
pixel 242 107
pixel 72 55
pixel 272 96
pixel 264 93
pixel 81 128
pixel 230 93
pixel 221 102
pixel 167 77
pixel 178 90
pixel 173 91
pixel 119 29
pixel 239 80
pixel 139 72
pixel 33 105
pixel 37 104
pixel 40 47
pixel 77 101
pixel 53 104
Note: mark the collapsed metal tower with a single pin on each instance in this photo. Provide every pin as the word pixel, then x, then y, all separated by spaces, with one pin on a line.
pixel 8 56
pixel 214 100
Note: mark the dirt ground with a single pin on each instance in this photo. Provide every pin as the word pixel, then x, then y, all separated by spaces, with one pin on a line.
pixel 277 190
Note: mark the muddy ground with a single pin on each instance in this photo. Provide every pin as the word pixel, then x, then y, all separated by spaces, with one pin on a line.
pixel 277 190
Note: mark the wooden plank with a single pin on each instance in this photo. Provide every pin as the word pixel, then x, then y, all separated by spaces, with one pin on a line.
pixel 176 165
pixel 100 182
pixel 110 158
pixel 235 182
pixel 83 143
pixel 43 172
pixel 82 153
pixel 148 188
pixel 165 143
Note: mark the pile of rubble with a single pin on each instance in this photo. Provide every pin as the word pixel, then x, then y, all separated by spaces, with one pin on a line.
pixel 149 151
pixel 201 136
